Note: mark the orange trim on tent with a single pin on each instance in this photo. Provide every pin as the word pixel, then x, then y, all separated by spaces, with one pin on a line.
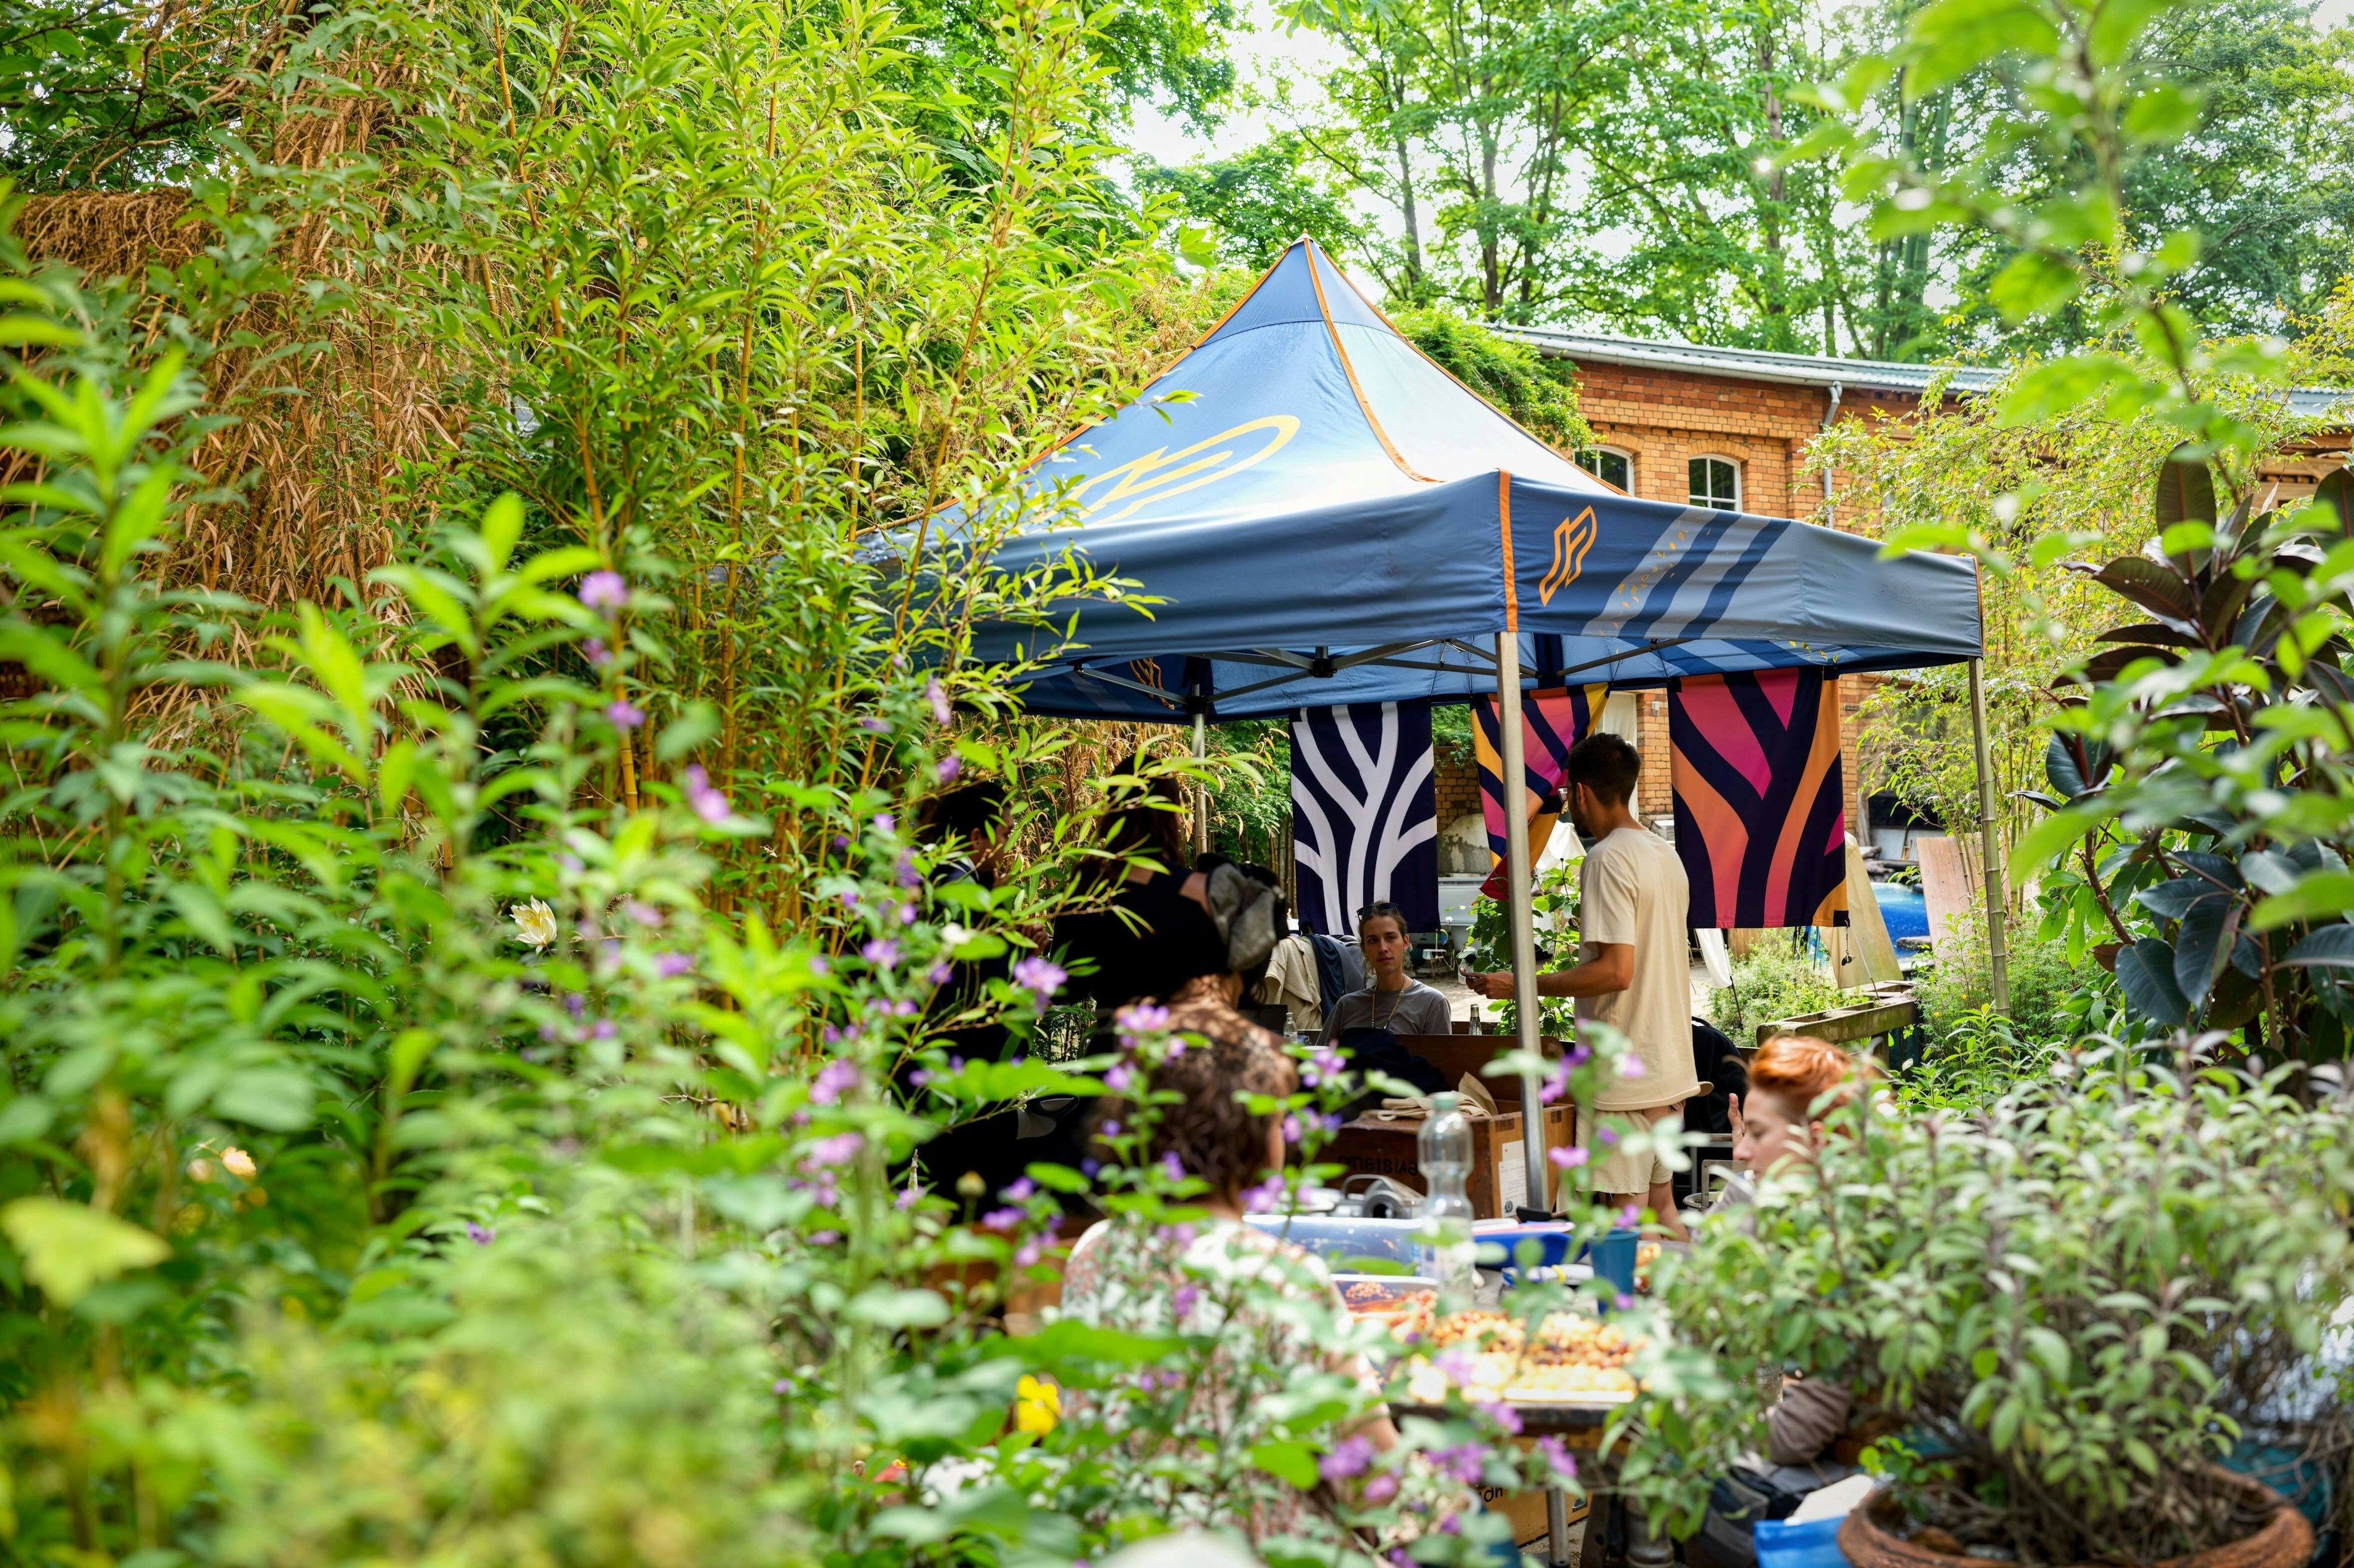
pixel 1349 371
pixel 1511 583
pixel 1471 392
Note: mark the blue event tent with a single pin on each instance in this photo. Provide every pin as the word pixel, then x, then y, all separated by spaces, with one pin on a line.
pixel 1327 517
pixel 1331 517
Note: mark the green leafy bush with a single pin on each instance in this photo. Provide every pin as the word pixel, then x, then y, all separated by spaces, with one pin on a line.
pixel 2050 989
pixel 1770 982
pixel 2077 1298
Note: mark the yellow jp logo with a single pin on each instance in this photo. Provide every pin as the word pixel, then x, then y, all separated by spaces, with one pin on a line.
pixel 1570 542
pixel 1160 473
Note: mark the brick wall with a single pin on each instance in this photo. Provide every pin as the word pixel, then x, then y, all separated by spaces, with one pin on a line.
pixel 1664 419
pixel 1456 779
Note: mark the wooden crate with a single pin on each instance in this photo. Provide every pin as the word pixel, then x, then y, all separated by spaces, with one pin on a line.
pixel 1499 1184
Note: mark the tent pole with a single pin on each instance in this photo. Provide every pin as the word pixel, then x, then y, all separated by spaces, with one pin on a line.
pixel 1997 939
pixel 1201 787
pixel 1520 887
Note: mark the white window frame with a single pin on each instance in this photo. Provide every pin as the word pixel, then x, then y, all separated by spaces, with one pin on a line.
pixel 1621 453
pixel 1731 462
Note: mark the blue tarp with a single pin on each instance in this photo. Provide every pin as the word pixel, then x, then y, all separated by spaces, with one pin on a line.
pixel 1332 518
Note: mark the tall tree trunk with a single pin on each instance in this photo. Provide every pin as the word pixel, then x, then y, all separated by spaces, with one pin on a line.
pixel 1413 223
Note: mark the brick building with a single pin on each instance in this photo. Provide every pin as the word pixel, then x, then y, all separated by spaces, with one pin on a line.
pixel 1729 427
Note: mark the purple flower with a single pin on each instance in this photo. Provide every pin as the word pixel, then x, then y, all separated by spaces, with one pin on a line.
pixel 622 713
pixel 1266 1197
pixel 1111 1129
pixel 1568 1158
pixel 824 1238
pixel 597 653
pixel 940 974
pixel 604 591
pixel 1455 1363
pixel 885 822
pixel 603 1029
pixel 1607 1136
pixel 1291 1130
pixel 833 1080
pixel 574 1003
pixel 949 767
pixel 1629 1216
pixel 1624 1302
pixel 1556 1085
pixel 1088 1167
pixel 1381 1487
pixel 1350 1458
pixel 703 799
pixel 848 897
pixel 1324 1062
pixel 873 725
pixel 1027 1253
pixel 1465 1462
pixel 1557 1457
pixel 1578 1055
pixel 839 1149
pixel 1503 1415
pixel 904 873
pixel 1001 1219
pixel 1630 1066
pixel 1173 1167
pixel 1118 1079
pixel 1020 1191
pixel 880 951
pixel 481 1236
pixel 908 1198
pixel 670 966
pixel 819 965
pixel 643 913
pixel 936 695
pixel 1183 1299
pixel 1042 978
pixel 903 1008
pixel 908 914
pixel 782 1385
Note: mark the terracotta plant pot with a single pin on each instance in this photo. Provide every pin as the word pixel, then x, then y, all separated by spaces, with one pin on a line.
pixel 2283 1540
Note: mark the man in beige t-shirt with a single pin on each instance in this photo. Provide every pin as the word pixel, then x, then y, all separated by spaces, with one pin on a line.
pixel 1633 973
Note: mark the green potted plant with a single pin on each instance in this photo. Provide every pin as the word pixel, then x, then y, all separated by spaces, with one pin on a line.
pixel 2088 1323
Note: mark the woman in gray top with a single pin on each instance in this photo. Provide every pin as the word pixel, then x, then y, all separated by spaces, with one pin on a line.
pixel 1392 999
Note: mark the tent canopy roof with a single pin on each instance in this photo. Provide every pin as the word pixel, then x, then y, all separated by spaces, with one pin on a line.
pixel 1326 516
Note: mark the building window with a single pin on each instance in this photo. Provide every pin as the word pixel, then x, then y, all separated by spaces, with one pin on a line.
pixel 1717 481
pixel 1609 465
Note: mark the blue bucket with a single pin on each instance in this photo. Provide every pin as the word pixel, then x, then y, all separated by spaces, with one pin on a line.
pixel 1813 1544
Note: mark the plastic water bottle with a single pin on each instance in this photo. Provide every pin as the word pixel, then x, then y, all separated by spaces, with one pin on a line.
pixel 1444 1147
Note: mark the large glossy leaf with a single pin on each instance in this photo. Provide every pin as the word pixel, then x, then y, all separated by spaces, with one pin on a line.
pixel 2329 947
pixel 2218 868
pixel 2111 663
pixel 2157 588
pixel 2203 945
pixel 2336 492
pixel 2145 972
pixel 2220 606
pixel 2172 900
pixel 2167 634
pixel 2185 489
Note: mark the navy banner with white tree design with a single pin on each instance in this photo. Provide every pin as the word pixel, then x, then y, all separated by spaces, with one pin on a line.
pixel 1364 814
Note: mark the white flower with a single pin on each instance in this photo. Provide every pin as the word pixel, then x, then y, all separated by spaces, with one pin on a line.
pixel 534 922
pixel 953 936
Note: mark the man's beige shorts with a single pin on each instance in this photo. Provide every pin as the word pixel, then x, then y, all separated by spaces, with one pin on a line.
pixel 1627 1175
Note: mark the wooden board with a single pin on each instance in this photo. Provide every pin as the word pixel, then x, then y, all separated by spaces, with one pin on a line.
pixel 1944 888
pixel 1861 952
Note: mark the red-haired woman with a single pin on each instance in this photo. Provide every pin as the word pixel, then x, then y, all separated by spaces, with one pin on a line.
pixel 1794 1082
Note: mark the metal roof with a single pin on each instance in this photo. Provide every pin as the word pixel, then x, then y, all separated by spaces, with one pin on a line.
pixel 1814 369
